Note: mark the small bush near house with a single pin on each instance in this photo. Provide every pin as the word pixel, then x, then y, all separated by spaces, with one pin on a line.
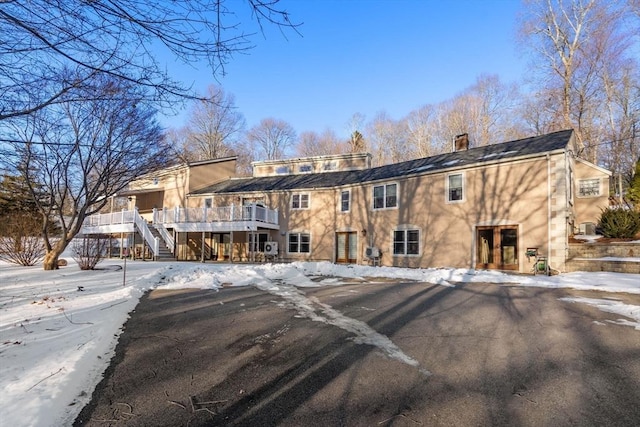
pixel 619 223
pixel 88 252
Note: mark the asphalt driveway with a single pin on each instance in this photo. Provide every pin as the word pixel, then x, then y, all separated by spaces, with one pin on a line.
pixel 372 354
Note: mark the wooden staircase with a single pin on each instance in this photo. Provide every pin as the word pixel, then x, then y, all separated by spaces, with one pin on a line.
pixel 164 253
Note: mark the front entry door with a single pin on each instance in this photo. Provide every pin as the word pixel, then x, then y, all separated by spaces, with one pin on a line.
pixel 497 247
pixel 347 247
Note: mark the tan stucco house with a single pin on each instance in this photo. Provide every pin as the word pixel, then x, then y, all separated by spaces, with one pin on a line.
pixel 478 207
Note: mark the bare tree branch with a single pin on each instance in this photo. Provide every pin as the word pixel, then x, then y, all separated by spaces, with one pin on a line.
pixel 123 39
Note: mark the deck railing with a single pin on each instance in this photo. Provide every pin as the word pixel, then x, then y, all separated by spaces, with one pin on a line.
pixel 252 212
pixel 123 217
pixel 216 214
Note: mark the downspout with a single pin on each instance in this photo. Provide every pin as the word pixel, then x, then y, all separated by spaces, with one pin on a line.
pixel 548 208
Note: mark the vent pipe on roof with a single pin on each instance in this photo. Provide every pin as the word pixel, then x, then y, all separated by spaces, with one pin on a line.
pixel 461 142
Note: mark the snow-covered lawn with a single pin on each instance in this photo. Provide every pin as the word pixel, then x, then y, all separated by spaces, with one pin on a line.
pixel 59 329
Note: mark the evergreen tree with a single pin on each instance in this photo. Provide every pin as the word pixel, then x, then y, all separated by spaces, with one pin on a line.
pixel 17 205
pixel 633 193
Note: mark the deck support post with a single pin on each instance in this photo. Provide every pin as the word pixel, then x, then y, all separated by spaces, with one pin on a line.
pixel 202 249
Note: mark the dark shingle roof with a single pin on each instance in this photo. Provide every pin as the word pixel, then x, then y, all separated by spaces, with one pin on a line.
pixel 512 149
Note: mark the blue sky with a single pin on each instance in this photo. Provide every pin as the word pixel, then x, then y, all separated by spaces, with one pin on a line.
pixel 367 56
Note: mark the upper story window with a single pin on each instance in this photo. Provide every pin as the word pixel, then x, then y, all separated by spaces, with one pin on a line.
pixel 406 242
pixel 589 187
pixel 305 168
pixel 385 196
pixel 455 187
pixel 283 170
pixel 300 201
pixel 345 201
pixel 330 165
pixel 208 202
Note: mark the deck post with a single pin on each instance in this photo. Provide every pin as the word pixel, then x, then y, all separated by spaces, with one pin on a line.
pixel 202 249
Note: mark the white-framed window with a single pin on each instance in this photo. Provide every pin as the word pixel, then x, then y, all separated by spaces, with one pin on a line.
pixel 406 241
pixel 455 187
pixel 589 187
pixel 330 165
pixel 300 201
pixel 305 168
pixel 283 170
pixel 385 196
pixel 345 200
pixel 299 243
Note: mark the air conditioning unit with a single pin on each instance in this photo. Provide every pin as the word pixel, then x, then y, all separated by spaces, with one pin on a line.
pixel 271 248
pixel 588 228
pixel 372 252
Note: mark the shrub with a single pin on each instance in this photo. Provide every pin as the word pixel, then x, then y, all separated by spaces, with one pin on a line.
pixel 88 252
pixel 22 250
pixel 619 223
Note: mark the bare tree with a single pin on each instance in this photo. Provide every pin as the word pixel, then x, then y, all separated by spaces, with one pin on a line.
pixel 81 153
pixel 214 127
pixel 387 140
pixel 420 131
pixel 177 138
pixel 573 43
pixel 271 139
pixel 356 122
pixel 124 39
pixel 621 124
pixel 539 113
pixel 311 144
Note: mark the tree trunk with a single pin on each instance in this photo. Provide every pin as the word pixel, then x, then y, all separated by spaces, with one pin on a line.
pixel 50 261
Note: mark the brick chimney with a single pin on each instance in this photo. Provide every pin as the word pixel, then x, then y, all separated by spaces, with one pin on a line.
pixel 461 142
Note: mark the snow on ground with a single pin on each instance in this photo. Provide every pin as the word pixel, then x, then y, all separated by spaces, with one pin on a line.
pixel 58 330
pixel 612 305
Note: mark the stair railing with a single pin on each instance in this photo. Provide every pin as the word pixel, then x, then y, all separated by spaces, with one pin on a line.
pixel 166 236
pixel 152 241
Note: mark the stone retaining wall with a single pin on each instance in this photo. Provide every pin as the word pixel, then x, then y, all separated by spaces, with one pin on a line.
pixel 589 257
